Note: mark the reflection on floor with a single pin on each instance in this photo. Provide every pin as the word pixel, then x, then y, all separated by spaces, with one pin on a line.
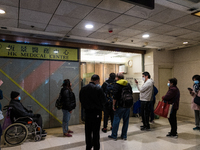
pixel 138 140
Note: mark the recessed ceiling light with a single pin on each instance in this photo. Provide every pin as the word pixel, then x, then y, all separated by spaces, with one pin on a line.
pixel 2 11
pixel 89 26
pixel 145 36
pixel 185 42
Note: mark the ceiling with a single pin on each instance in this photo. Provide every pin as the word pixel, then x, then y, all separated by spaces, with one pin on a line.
pixel 169 24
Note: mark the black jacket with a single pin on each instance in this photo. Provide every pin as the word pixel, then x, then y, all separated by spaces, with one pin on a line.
pixel 19 109
pixel 117 91
pixel 105 85
pixel 92 97
pixel 69 102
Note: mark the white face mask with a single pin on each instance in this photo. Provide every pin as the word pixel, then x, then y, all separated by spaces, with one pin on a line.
pixel 143 78
pixel 168 84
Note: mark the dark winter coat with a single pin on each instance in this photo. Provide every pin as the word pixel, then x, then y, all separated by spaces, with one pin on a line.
pixel 92 97
pixel 69 102
pixel 173 96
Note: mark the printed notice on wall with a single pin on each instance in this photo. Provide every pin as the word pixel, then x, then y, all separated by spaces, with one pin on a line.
pixel 19 50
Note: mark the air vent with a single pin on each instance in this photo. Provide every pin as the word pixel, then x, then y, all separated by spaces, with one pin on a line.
pixel 194 1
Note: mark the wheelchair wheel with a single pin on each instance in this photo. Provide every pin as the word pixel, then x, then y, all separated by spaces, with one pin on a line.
pixel 15 134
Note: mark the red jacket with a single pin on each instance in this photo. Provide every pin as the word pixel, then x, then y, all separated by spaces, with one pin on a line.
pixel 173 96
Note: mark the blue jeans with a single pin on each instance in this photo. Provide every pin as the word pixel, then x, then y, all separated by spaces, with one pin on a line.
pixel 118 114
pixel 66 118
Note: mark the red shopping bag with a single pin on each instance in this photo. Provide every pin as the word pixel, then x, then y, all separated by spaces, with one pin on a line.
pixel 163 109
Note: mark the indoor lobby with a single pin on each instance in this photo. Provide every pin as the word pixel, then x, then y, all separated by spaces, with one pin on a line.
pixel 44 42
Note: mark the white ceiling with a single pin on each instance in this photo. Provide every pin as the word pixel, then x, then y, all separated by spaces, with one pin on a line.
pixel 169 24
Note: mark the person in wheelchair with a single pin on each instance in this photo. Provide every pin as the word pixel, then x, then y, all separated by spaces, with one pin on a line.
pixel 21 111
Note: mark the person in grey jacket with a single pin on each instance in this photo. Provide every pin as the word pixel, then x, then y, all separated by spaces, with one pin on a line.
pixel 21 111
pixel 145 97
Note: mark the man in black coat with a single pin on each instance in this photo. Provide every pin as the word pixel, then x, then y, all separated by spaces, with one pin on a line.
pixel 92 99
pixel 108 109
pixel 21 111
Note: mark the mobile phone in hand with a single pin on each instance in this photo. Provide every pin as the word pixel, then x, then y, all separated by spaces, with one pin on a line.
pixel 190 89
pixel 136 81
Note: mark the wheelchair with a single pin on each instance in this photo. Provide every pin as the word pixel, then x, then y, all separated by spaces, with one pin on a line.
pixel 20 129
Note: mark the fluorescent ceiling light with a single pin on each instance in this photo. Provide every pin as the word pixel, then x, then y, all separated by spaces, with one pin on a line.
pixel 145 36
pixel 89 26
pixel 185 42
pixel 2 11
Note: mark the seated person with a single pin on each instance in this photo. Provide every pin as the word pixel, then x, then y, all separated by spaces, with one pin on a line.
pixel 21 111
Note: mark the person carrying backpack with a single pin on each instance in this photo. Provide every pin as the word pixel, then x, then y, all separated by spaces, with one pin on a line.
pixel 108 91
pixel 122 101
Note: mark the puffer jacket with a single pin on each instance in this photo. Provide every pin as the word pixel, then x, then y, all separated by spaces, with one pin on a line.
pixel 69 101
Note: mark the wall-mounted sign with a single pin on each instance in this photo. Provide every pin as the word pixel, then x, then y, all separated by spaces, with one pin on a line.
pixel 18 50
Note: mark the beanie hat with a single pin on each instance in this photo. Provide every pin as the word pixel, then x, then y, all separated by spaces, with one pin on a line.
pixel 14 94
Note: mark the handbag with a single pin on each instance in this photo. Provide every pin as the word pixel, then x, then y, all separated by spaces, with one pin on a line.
pixel 7 120
pixel 59 103
pixel 197 100
pixel 163 109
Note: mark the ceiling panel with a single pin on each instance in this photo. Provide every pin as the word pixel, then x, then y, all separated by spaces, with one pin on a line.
pixel 47 6
pixel 132 40
pixel 28 24
pixel 117 38
pixel 125 21
pixel 29 15
pixel 163 29
pixel 116 29
pixel 167 15
pixel 144 12
pixel 185 21
pixel 14 3
pixel 191 35
pixel 79 32
pixel 86 2
pixel 111 5
pixel 64 21
pixel 57 29
pixel 129 32
pixel 163 38
pixel 178 32
pixel 151 35
pixel 96 25
pixel 100 35
pixel 73 10
pixel 5 22
pixel 146 25
pixel 195 27
pixel 11 12
pixel 101 16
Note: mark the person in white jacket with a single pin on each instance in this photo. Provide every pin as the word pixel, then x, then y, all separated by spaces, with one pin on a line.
pixel 145 97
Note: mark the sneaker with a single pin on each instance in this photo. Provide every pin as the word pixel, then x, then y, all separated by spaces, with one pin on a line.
pixel 69 131
pixel 104 130
pixel 112 137
pixel 169 134
pixel 148 129
pixel 143 128
pixel 123 138
pixel 152 121
pixel 67 135
pixel 174 136
pixel 196 128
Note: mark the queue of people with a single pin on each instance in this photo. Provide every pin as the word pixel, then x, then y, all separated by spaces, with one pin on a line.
pixel 110 99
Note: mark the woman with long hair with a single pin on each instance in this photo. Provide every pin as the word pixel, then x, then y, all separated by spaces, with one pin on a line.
pixel 69 103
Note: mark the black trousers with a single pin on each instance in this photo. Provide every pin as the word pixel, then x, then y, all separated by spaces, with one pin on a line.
pixel 38 119
pixel 108 112
pixel 145 113
pixel 173 122
pixel 92 127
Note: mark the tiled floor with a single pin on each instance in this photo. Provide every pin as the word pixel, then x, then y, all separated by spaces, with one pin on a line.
pixel 138 140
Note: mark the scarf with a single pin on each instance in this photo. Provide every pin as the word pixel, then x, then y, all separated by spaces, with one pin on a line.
pixel 196 87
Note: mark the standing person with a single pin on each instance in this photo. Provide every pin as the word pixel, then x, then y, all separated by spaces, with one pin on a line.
pixel 1 97
pixel 121 109
pixel 69 103
pixel 172 96
pixel 145 97
pixel 108 107
pixel 92 99
pixel 152 103
pixel 195 107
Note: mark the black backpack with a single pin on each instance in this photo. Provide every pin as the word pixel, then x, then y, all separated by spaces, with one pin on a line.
pixel 109 92
pixel 59 103
pixel 126 97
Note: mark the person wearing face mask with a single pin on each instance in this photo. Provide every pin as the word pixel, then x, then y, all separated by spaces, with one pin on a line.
pixel 195 107
pixel 21 111
pixel 172 97
pixel 145 97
